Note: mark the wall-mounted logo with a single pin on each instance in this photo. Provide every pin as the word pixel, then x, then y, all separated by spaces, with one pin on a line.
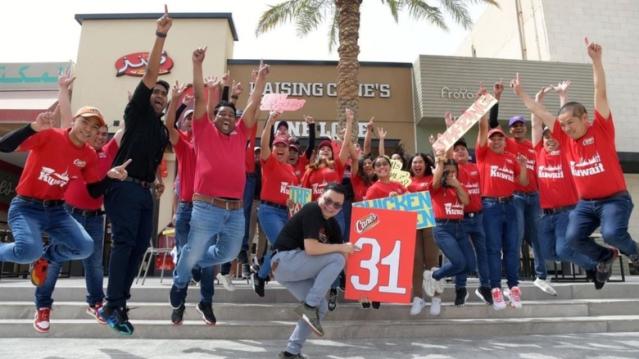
pixel 134 64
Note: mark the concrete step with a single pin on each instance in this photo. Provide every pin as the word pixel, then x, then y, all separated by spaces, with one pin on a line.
pixel 73 290
pixel 266 329
pixel 348 311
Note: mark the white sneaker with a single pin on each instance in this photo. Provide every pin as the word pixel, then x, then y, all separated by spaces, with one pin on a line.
pixel 435 306
pixel 545 286
pixel 429 283
pixel 226 281
pixel 498 299
pixel 439 284
pixel 417 306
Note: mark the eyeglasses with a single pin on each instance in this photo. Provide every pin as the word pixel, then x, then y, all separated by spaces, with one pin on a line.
pixel 329 202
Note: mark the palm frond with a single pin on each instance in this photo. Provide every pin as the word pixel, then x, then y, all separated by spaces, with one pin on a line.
pixel 394 6
pixel 304 12
pixel 421 10
pixel 332 35
pixel 309 17
pixel 459 12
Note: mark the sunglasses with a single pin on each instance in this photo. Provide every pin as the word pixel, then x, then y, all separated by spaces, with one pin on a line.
pixel 329 202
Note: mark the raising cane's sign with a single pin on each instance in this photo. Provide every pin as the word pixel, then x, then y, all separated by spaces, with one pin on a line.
pixel 135 64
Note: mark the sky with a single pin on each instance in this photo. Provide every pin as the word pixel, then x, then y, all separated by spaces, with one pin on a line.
pixel 46 31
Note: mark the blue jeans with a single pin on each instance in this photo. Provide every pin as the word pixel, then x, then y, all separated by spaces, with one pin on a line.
pixel 501 236
pixel 182 228
pixel 474 227
pixel 93 269
pixel 249 195
pixel 613 215
pixel 129 206
pixel 272 220
pixel 552 236
pixel 67 239
pixel 453 241
pixel 215 237
pixel 528 213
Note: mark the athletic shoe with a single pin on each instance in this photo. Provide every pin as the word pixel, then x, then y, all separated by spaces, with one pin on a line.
pixel 439 284
pixel 258 285
pixel 461 294
pixel 545 286
pixel 41 320
pixel 429 283
pixel 196 274
pixel 117 319
pixel 515 297
pixel 376 305
pixel 604 269
pixel 435 306
pixel 206 309
pixel 287 355
pixel 38 271
pixel 310 315
pixel 92 310
pixel 417 306
pixel 177 296
pixel 484 294
pixel 226 281
pixel 246 271
pixel 177 314
pixel 591 274
pixel 366 305
pixel 332 299
pixel 498 299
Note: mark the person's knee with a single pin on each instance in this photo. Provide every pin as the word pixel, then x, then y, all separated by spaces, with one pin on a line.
pixel 27 252
pixel 614 234
pixel 338 259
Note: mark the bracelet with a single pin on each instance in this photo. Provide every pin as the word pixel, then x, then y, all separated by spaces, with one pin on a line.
pixel 160 34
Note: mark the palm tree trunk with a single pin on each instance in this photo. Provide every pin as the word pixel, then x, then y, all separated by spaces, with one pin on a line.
pixel 348 66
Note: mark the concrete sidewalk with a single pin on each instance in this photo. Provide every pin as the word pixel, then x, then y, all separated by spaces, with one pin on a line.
pixel 581 346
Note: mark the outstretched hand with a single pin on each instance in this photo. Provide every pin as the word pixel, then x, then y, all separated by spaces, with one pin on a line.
pixel 44 121
pixel 381 133
pixel 177 91
pixel 119 172
pixel 516 85
pixel 562 87
pixel 449 119
pixel 498 89
pixel 65 80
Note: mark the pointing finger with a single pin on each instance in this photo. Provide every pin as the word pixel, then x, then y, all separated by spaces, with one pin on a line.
pixel 166 10
pixel 126 163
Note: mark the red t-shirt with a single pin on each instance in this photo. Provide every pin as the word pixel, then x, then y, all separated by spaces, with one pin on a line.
pixel 300 166
pixel 556 186
pixel 498 172
pixel 593 159
pixel 525 148
pixel 446 204
pixel 220 170
pixel 185 153
pixel 317 179
pixel 359 188
pixel 382 190
pixel 250 152
pixel 420 184
pixel 277 177
pixel 52 162
pixel 77 194
pixel 468 176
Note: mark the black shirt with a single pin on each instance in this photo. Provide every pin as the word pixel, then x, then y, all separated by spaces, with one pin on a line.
pixel 310 224
pixel 145 136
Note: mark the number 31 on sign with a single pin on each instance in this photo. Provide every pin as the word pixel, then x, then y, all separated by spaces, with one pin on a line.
pixel 383 270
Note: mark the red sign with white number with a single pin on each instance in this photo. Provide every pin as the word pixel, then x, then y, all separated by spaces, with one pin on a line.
pixel 383 270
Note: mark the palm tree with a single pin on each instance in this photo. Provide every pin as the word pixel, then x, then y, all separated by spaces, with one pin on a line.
pixel 345 16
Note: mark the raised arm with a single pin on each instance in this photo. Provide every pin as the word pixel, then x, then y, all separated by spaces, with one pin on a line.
pixel 381 134
pixel 256 97
pixel 599 78
pixel 236 91
pixel 368 137
pixel 265 138
pixel 345 151
pixel 537 130
pixel 438 171
pixel 310 122
pixel 536 108
pixel 176 93
pixel 153 68
pixel 213 98
pixel 198 83
pixel 498 89
pixel 562 91
pixel 64 98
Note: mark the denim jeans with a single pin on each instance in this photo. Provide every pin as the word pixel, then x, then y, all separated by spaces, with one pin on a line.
pixel 215 237
pixel 67 239
pixel 249 195
pixel 182 228
pixel 501 236
pixel 613 215
pixel 93 269
pixel 474 227
pixel 528 213
pixel 308 278
pixel 552 236
pixel 453 241
pixel 272 220
pixel 129 206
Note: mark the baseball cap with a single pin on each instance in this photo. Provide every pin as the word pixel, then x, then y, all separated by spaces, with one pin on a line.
pixel 90 111
pixel 496 130
pixel 513 120
pixel 325 143
pixel 460 142
pixel 280 140
pixel 293 146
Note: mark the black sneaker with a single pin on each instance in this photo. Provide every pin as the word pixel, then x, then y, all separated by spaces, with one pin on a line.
pixel 177 296
pixel 286 355
pixel 376 305
pixel 177 315
pixel 604 268
pixel 310 315
pixel 591 274
pixel 206 309
pixel 196 274
pixel 332 299
pixel 484 294
pixel 117 319
pixel 365 305
pixel 460 296
pixel 258 285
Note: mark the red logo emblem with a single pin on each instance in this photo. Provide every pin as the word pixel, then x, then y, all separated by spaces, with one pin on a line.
pixel 134 64
pixel 365 223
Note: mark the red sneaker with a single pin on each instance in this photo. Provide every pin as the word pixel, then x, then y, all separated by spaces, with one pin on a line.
pixel 39 272
pixel 515 297
pixel 93 311
pixel 41 320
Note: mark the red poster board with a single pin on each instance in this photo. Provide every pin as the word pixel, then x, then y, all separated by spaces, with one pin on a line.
pixel 383 270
